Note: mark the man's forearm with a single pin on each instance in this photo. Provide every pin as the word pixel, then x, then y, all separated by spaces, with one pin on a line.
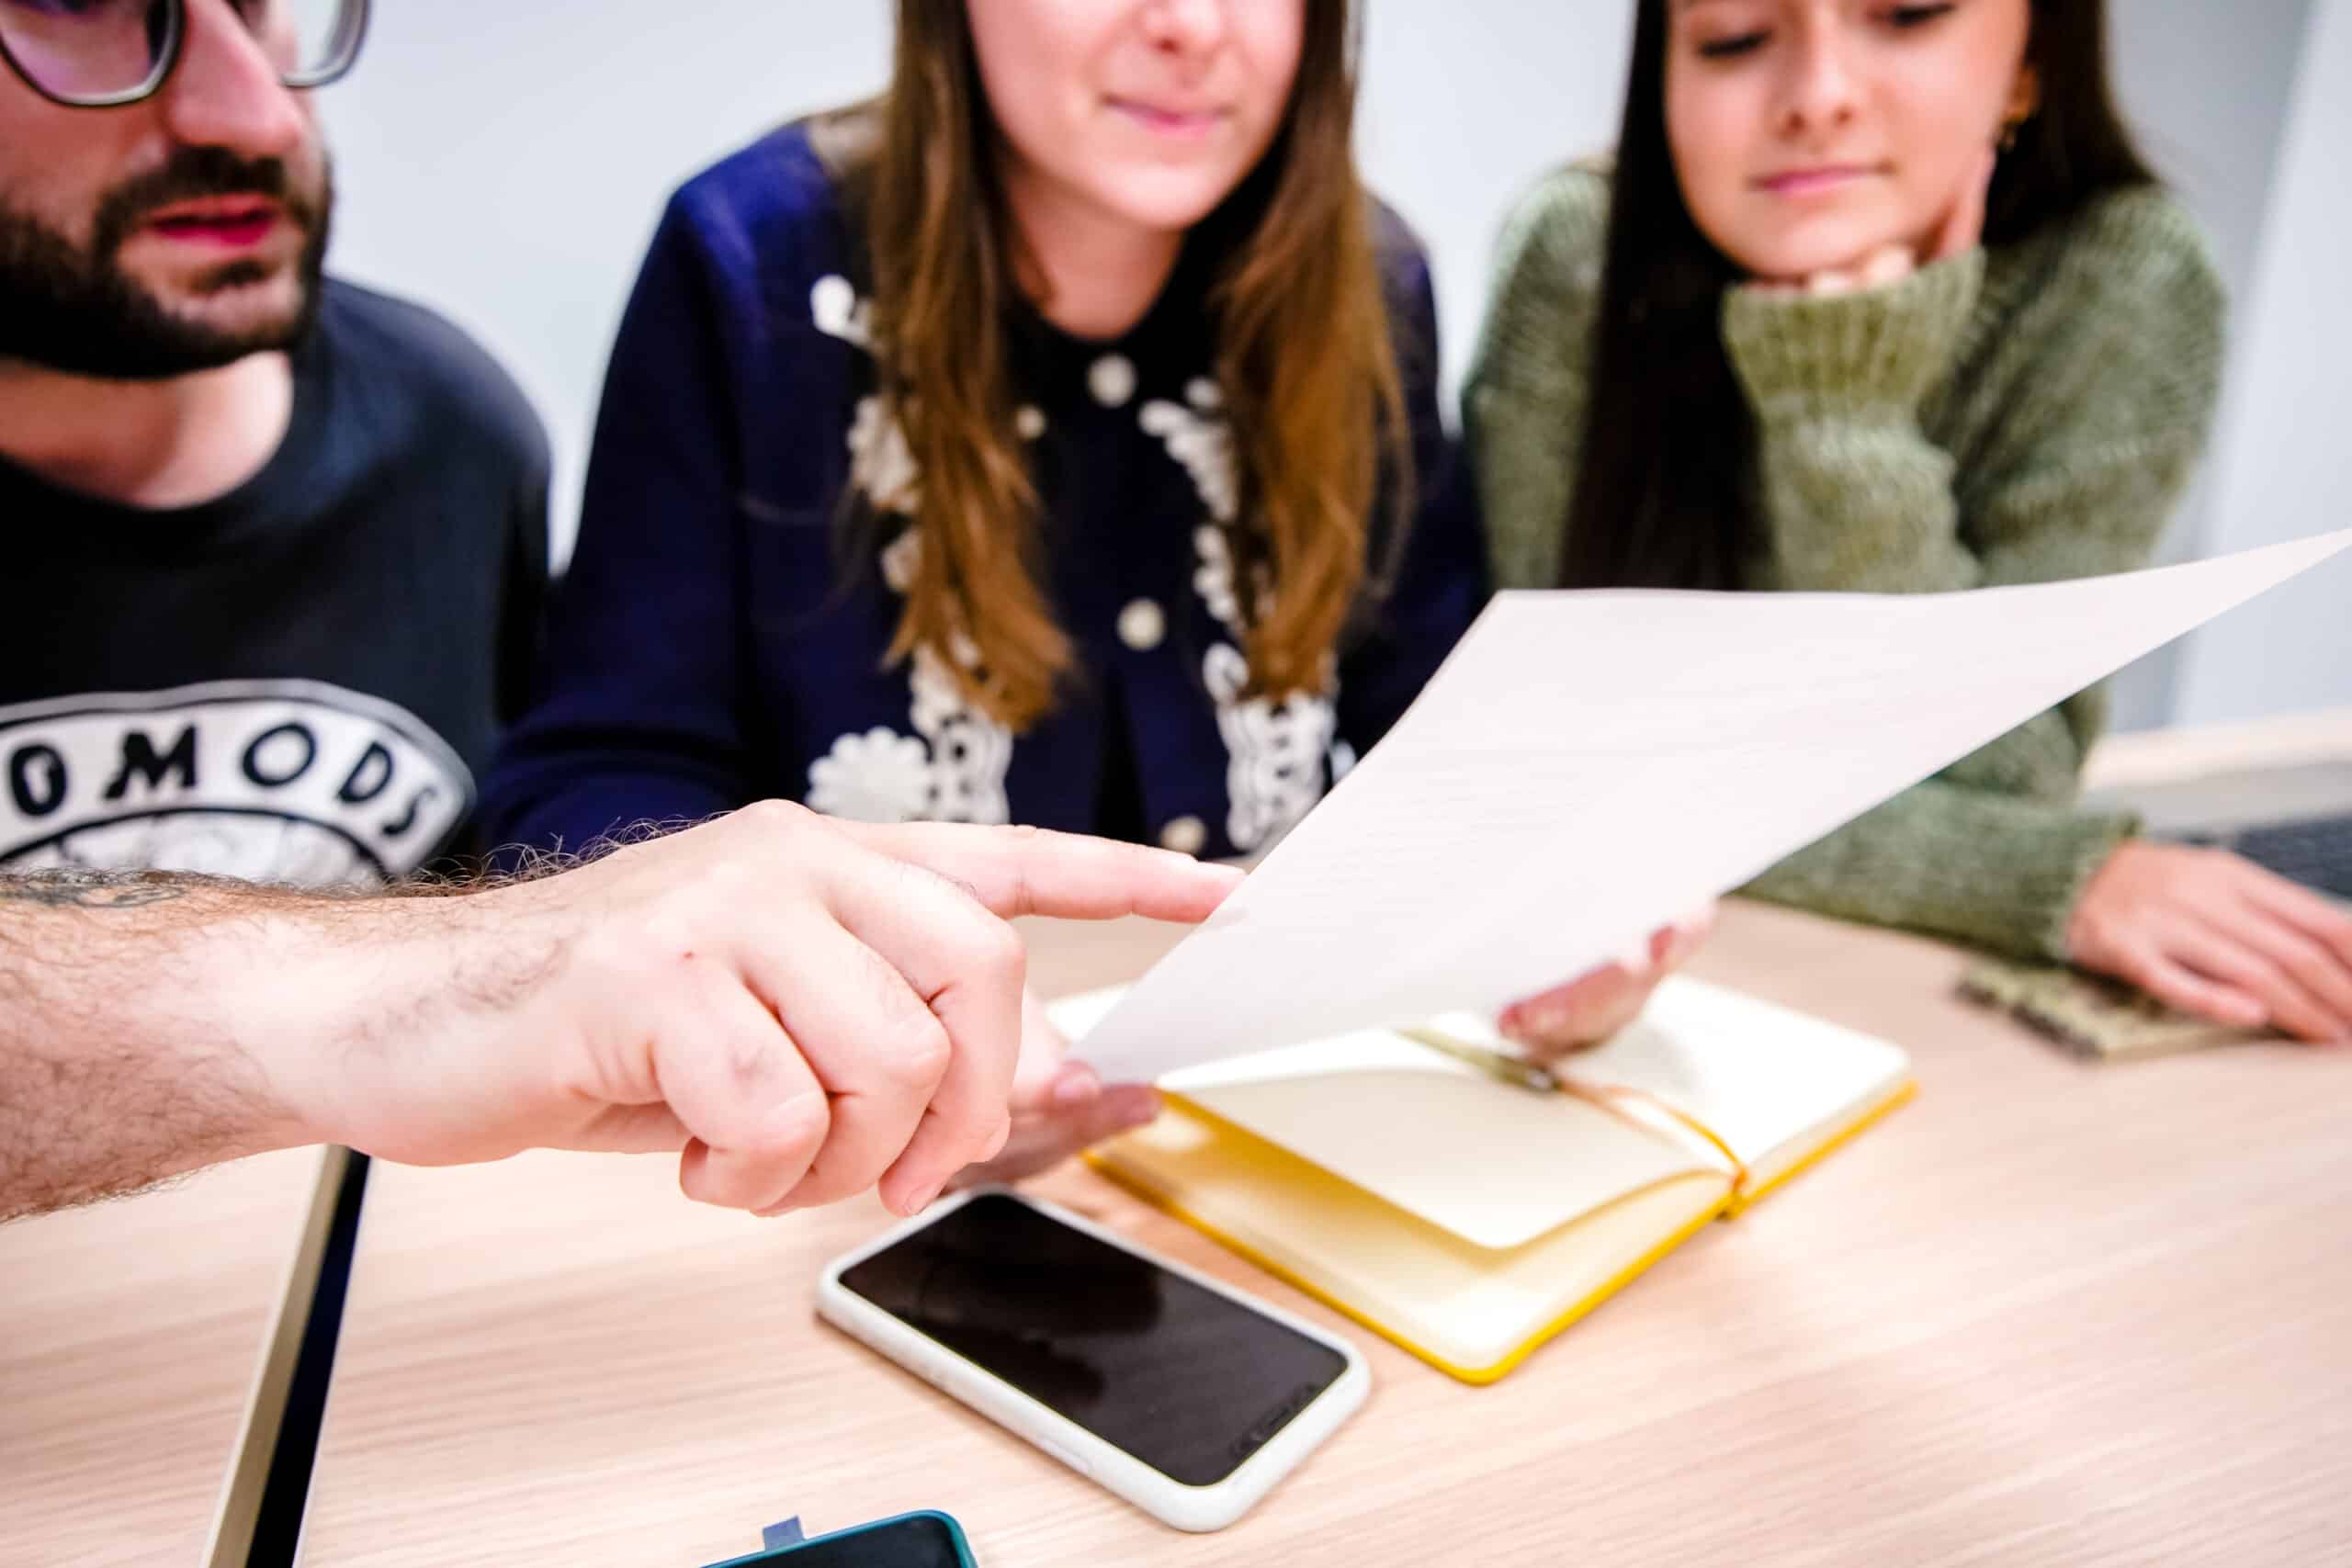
pixel 120 1061
pixel 637 1004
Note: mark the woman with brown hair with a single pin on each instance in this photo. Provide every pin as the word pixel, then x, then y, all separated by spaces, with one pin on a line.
pixel 1053 439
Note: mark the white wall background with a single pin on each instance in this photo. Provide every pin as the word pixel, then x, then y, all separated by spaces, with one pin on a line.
pixel 507 163
pixel 2283 468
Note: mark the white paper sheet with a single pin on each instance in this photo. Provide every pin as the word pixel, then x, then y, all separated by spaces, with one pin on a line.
pixel 1587 766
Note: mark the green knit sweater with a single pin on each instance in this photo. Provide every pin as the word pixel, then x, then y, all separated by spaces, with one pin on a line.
pixel 2019 415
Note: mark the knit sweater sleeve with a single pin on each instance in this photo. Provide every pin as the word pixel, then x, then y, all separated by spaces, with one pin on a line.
pixel 2074 475
pixel 1855 497
pixel 1523 408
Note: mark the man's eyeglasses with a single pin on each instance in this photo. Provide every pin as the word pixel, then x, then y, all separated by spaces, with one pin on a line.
pixel 103 53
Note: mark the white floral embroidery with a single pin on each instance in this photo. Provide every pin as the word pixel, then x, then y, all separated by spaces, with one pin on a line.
pixel 881 464
pixel 1276 749
pixel 837 311
pixel 1197 437
pixel 879 776
pixel 1213 575
pixel 969 752
pixel 954 772
pixel 900 556
pixel 1029 421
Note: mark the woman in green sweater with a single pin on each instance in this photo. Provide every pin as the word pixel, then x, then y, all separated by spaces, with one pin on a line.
pixel 1880 298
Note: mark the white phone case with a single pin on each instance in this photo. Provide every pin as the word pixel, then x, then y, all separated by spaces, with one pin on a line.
pixel 1186 1507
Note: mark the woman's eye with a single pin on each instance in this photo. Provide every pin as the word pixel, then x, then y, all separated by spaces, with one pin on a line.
pixel 1732 47
pixel 1903 16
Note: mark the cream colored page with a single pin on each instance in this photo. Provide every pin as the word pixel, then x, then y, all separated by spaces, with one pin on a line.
pixel 1587 766
pixel 1496 1165
pixel 1758 1076
pixel 1499 1166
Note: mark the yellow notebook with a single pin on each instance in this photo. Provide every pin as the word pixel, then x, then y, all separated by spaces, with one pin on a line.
pixel 1470 1219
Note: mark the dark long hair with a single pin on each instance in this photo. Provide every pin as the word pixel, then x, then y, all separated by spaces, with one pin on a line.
pixel 1664 498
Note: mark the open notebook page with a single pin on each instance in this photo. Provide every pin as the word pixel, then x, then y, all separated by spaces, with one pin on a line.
pixel 1774 1084
pixel 1499 1164
pixel 1587 766
pixel 1495 1165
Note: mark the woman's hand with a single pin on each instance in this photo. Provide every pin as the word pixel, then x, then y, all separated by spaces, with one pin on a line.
pixel 1586 1011
pixel 1059 1107
pixel 2210 933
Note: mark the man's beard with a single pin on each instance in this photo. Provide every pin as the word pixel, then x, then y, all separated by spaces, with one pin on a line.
pixel 76 310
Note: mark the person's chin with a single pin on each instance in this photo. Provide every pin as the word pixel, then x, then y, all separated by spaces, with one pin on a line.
pixel 1170 200
pixel 1794 257
pixel 229 293
pixel 256 318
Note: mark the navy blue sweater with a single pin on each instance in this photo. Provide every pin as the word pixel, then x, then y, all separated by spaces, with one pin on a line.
pixel 710 647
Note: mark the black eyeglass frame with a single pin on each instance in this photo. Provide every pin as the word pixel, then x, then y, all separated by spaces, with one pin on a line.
pixel 351 35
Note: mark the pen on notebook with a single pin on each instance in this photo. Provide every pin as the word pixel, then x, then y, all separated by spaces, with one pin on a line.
pixel 1517 1071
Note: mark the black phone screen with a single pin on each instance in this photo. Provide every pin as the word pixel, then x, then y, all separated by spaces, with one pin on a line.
pixel 1187 1381
pixel 919 1541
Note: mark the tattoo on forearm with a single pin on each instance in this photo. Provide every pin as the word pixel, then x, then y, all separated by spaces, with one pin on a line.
pixel 59 894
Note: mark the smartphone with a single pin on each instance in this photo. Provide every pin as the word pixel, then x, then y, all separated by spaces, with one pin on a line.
pixel 1186 1398
pixel 911 1540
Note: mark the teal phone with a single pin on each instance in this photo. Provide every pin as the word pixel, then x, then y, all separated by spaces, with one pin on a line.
pixel 926 1539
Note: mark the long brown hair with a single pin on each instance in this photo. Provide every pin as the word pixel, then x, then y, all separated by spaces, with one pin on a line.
pixel 1304 357
pixel 1663 499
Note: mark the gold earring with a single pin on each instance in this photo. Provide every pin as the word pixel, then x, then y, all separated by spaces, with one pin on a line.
pixel 2029 92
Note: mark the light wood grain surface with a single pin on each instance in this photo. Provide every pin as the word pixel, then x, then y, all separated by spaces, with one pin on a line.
pixel 133 1336
pixel 2049 1314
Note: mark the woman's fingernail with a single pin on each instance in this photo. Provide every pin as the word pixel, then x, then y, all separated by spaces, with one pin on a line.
pixel 1076 1087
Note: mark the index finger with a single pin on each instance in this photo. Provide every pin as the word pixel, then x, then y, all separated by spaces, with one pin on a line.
pixel 968 967
pixel 2312 914
pixel 1029 871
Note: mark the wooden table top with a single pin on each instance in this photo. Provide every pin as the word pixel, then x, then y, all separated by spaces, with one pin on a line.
pixel 143 1347
pixel 2049 1313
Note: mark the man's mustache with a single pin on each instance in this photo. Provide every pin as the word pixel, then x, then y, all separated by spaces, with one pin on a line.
pixel 192 175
